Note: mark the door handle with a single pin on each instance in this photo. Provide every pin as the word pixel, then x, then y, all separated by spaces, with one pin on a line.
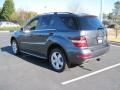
pixel 45 34
pixel 51 34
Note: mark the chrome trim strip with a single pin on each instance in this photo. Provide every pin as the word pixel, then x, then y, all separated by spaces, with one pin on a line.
pixel 42 43
pixel 33 55
pixel 43 30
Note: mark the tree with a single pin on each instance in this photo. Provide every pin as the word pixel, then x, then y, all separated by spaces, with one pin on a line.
pixel 7 10
pixel 106 19
pixel 116 13
pixel 115 16
pixel 117 8
pixel 74 6
pixel 110 16
pixel 0 10
pixel 22 16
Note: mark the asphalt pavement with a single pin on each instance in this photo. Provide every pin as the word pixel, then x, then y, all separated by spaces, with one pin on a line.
pixel 26 72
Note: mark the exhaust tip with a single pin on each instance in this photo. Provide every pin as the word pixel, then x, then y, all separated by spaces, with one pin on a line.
pixel 98 59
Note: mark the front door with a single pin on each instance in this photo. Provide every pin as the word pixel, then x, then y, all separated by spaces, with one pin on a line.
pixel 26 42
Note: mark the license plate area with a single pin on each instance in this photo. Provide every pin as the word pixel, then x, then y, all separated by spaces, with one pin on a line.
pixel 99 40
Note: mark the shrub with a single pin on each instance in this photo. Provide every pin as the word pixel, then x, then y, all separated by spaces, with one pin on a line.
pixel 9 28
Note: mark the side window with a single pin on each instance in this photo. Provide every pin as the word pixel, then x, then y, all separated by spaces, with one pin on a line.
pixel 32 24
pixel 70 22
pixel 46 22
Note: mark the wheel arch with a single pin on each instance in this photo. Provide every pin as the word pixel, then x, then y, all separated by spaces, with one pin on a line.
pixel 12 38
pixel 55 45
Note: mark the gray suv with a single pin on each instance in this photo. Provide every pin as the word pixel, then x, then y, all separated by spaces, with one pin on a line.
pixel 61 38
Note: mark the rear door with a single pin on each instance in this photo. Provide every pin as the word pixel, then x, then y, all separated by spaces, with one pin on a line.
pixel 40 36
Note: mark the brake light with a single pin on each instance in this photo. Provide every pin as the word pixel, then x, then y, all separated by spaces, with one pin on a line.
pixel 80 42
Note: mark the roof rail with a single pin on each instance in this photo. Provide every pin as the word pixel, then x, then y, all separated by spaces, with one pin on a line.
pixel 63 13
pixel 57 13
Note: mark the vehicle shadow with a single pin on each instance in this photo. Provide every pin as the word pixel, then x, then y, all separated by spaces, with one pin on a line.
pixel 36 61
pixel 31 59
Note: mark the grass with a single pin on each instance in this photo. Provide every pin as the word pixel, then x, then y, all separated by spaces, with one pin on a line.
pixel 9 28
pixel 114 39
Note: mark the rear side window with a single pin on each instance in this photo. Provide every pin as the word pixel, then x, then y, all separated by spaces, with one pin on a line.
pixel 70 22
pixel 46 22
pixel 89 23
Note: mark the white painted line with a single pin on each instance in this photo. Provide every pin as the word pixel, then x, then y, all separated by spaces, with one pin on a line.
pixel 91 74
pixel 114 45
pixel 1 42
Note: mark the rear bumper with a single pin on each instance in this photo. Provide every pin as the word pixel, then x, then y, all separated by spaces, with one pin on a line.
pixel 74 59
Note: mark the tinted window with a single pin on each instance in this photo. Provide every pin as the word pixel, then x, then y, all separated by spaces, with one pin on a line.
pixel 32 24
pixel 70 22
pixel 46 22
pixel 89 23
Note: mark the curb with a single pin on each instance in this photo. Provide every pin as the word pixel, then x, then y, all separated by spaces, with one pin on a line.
pixel 115 43
pixel 6 31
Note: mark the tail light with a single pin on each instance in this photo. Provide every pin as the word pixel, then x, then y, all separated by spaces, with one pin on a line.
pixel 80 41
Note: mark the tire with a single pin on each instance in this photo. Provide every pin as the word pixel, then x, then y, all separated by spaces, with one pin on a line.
pixel 15 47
pixel 57 60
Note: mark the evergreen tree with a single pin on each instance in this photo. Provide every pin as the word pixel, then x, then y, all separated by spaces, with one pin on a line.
pixel 0 9
pixel 117 8
pixel 7 10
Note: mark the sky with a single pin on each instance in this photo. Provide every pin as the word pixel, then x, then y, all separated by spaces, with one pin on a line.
pixel 82 6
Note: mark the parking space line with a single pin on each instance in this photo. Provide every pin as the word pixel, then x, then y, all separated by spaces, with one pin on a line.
pixel 5 41
pixel 91 74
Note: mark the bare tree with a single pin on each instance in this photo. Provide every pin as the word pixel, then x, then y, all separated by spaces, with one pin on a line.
pixel 74 6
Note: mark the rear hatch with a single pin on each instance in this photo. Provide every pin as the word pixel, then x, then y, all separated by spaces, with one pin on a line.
pixel 93 30
pixel 89 28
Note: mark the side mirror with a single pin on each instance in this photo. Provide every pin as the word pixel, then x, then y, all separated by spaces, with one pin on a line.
pixel 25 31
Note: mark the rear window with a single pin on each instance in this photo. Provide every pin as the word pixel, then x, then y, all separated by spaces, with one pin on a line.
pixel 89 23
pixel 84 23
